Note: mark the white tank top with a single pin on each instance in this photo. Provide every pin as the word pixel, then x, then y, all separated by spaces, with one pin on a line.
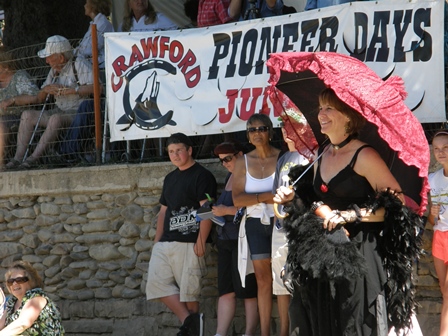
pixel 254 185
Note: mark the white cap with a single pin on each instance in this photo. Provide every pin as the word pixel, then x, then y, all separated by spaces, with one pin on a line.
pixel 55 44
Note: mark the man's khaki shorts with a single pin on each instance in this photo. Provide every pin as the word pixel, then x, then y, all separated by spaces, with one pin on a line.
pixel 174 268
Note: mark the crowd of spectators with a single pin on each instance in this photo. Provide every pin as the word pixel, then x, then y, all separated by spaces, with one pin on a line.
pixel 19 92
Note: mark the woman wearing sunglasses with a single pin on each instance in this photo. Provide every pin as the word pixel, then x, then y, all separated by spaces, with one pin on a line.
pixel 29 311
pixel 252 188
pixel 229 283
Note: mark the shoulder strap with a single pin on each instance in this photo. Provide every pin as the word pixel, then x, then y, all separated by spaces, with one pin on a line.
pixel 75 73
pixel 355 157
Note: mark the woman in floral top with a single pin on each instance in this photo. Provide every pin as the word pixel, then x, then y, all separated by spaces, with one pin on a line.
pixel 29 311
pixel 16 89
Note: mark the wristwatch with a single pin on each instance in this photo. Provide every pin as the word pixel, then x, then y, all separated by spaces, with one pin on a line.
pixel 77 89
pixel 315 206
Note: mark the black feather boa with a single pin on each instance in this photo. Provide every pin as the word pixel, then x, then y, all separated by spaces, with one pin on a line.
pixel 312 255
pixel 401 249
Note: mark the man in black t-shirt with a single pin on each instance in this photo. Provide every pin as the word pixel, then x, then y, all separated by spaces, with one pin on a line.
pixel 177 262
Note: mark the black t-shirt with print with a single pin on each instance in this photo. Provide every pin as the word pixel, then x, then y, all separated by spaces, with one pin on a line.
pixel 182 191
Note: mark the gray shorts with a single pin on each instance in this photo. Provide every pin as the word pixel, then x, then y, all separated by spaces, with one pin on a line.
pixel 57 110
pixel 174 269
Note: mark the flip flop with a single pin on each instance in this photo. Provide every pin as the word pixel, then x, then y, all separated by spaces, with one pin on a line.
pixel 29 163
pixel 13 164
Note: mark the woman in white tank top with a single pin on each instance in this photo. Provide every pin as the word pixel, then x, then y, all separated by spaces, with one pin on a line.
pixel 252 188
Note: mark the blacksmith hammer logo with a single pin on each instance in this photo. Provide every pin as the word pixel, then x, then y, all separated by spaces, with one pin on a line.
pixel 145 113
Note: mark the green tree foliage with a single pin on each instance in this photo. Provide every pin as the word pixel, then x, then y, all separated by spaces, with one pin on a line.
pixel 29 22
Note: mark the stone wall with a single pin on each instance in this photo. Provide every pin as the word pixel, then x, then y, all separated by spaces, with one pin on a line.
pixel 89 231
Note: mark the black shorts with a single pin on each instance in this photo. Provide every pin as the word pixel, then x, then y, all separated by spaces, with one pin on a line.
pixel 228 276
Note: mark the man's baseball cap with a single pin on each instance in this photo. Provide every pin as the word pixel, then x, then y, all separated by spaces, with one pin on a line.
pixel 55 44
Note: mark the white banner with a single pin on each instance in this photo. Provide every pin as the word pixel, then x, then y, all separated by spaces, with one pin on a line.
pixel 211 80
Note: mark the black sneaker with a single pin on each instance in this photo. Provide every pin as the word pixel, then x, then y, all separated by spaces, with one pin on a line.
pixel 183 331
pixel 194 324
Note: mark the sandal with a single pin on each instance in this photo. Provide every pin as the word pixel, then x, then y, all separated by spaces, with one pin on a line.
pixel 13 164
pixel 29 163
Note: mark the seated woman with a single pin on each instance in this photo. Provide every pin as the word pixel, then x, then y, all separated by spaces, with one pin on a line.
pixel 97 10
pixel 16 88
pixel 140 15
pixel 29 311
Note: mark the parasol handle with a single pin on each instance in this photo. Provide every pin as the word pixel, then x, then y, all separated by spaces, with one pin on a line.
pixel 278 214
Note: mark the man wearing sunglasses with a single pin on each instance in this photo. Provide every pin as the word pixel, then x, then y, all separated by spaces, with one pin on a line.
pixel 177 261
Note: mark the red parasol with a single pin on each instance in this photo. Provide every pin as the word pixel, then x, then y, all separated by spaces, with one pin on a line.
pixel 298 78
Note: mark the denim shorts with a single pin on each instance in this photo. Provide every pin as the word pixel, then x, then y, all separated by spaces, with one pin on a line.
pixel 259 238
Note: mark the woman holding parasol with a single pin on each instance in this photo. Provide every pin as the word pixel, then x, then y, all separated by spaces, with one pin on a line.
pixel 352 240
pixel 349 172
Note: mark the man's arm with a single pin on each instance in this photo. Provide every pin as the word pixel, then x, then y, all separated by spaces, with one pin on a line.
pixel 160 221
pixel 205 227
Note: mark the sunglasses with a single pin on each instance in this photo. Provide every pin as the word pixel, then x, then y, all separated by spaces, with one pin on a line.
pixel 18 280
pixel 258 129
pixel 227 158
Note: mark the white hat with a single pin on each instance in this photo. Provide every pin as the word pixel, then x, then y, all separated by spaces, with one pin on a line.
pixel 55 44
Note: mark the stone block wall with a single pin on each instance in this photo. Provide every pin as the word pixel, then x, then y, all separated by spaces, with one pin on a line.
pixel 90 231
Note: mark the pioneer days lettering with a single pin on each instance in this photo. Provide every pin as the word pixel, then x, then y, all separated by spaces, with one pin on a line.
pixel 211 80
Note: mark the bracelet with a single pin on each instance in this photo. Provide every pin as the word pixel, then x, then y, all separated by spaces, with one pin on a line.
pixel 351 216
pixel 315 206
pixel 258 201
pixel 336 213
pixel 355 213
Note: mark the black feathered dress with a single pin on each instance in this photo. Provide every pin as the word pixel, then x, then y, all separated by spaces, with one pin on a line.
pixel 345 286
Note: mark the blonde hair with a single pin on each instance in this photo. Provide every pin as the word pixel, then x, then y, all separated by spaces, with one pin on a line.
pixel 151 15
pixel 30 272
pixel 440 134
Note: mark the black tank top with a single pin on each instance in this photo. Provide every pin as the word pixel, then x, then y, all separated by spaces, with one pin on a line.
pixel 345 188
